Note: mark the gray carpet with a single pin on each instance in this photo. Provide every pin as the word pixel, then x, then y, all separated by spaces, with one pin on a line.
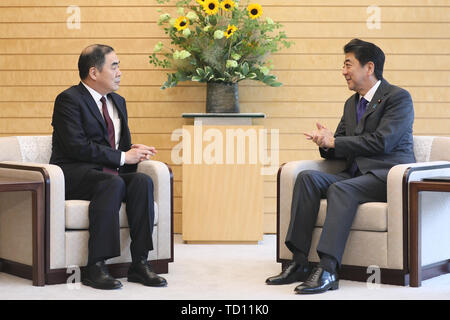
pixel 222 272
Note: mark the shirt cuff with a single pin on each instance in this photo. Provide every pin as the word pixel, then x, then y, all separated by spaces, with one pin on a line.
pixel 122 158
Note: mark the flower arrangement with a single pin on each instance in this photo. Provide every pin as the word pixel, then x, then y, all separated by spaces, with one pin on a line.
pixel 218 41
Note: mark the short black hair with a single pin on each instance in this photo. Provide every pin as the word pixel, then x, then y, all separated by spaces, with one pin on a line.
pixel 364 52
pixel 92 56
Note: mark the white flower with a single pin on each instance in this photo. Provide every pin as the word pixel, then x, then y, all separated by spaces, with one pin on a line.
pixel 269 21
pixel 186 32
pixel 232 64
pixel 235 56
pixel 163 18
pixel 218 34
pixel 264 70
pixel 158 47
pixel 180 55
pixel 192 16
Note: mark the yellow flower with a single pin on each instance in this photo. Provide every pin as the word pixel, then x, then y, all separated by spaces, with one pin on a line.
pixel 231 29
pixel 211 7
pixel 181 23
pixel 201 2
pixel 254 10
pixel 227 5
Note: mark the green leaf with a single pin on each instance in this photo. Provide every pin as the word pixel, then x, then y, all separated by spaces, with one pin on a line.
pixel 200 72
pixel 276 84
pixel 208 69
pixel 195 78
pixel 245 68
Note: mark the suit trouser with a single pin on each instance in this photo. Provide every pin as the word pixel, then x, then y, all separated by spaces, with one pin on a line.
pixel 343 193
pixel 106 192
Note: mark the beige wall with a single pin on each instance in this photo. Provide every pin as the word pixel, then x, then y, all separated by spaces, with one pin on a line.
pixel 38 56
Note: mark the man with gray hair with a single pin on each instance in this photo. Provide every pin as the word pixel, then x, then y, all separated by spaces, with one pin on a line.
pixel 92 145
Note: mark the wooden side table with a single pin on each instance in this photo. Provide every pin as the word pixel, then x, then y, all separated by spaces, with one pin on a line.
pixel 415 224
pixel 8 184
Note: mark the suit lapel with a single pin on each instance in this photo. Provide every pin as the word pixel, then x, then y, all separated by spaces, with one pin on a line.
pixel 120 108
pixel 92 105
pixel 382 90
pixel 125 131
pixel 352 113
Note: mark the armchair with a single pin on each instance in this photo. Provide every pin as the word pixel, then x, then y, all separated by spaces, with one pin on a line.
pixel 66 222
pixel 379 234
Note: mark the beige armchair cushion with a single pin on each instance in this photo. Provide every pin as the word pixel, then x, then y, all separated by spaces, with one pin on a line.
pixel 371 216
pixel 77 215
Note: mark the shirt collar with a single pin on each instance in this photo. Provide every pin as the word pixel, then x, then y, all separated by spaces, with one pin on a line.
pixel 369 95
pixel 97 96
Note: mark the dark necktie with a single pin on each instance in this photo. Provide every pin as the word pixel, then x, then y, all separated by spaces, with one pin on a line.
pixel 109 124
pixel 111 133
pixel 360 109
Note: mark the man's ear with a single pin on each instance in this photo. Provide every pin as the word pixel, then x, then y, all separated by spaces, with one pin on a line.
pixel 93 73
pixel 370 68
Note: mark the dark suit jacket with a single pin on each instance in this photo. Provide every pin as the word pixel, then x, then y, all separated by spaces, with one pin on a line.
pixel 80 137
pixel 383 137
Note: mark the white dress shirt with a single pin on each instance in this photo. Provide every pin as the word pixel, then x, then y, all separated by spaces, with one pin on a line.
pixel 113 113
pixel 369 95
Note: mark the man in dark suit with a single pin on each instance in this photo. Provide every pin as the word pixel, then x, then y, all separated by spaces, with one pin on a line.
pixel 92 145
pixel 373 135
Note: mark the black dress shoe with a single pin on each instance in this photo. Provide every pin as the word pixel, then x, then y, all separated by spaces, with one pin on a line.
pixel 141 272
pixel 319 281
pixel 97 276
pixel 293 273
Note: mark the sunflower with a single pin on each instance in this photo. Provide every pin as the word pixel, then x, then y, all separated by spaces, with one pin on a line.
pixel 211 7
pixel 254 10
pixel 227 5
pixel 230 30
pixel 181 23
pixel 201 2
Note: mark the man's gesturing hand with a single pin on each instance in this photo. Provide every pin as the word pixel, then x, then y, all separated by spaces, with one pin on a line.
pixel 323 137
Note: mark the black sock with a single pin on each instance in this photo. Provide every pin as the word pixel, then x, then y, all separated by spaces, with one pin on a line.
pixel 328 262
pixel 300 258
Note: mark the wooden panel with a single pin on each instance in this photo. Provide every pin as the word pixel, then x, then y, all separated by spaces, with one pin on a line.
pixel 319 46
pixel 278 13
pixel 289 67
pixel 286 3
pixel 293 29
